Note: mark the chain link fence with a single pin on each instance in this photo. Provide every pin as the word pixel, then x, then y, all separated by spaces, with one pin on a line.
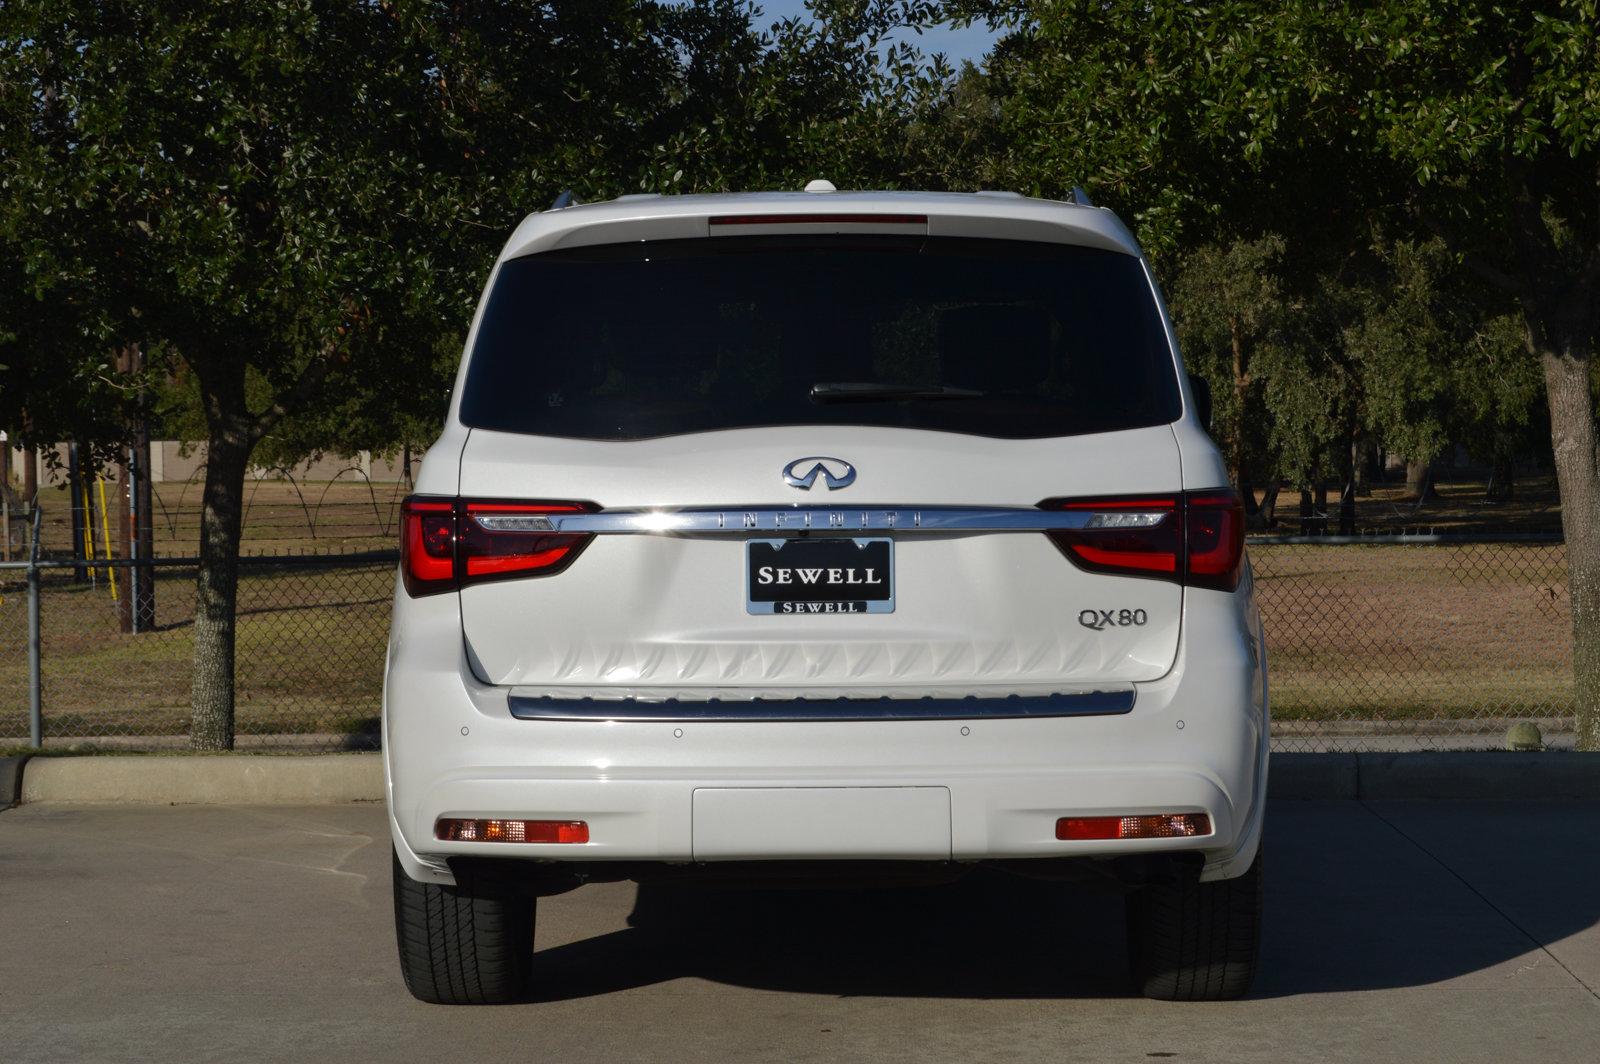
pixel 311 636
pixel 1415 642
pixel 1395 643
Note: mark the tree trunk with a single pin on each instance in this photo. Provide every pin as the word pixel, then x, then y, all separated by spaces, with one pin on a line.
pixel 1269 505
pixel 1368 467
pixel 1347 494
pixel 1572 433
pixel 1502 476
pixel 1419 480
pixel 30 473
pixel 216 594
pixel 1562 314
pixel 1240 384
pixel 80 527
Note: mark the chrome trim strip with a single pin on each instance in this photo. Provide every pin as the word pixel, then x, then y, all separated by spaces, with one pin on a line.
pixel 763 519
pixel 773 710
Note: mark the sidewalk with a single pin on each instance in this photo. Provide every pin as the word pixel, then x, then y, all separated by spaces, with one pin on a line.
pixel 311 779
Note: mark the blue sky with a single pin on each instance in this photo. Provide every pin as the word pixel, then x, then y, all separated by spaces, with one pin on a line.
pixel 957 44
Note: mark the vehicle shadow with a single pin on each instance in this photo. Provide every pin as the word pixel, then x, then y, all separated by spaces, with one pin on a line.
pixel 988 936
pixel 1353 904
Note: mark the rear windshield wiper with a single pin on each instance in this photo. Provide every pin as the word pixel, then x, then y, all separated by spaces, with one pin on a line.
pixel 867 391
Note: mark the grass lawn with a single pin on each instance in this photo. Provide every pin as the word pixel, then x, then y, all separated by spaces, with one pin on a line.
pixel 310 655
pixel 1405 632
pixel 1400 634
pixel 280 517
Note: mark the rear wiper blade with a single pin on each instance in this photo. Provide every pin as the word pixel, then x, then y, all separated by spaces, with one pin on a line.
pixel 866 391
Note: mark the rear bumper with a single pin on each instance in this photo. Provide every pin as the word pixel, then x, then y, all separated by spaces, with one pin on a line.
pixel 1194 741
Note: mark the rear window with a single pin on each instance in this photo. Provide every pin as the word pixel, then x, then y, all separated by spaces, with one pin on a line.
pixel 985 337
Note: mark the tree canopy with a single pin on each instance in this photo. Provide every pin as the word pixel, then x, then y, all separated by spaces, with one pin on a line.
pixel 1378 221
pixel 1355 132
pixel 291 205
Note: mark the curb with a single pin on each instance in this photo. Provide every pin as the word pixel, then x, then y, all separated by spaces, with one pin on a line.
pixel 1461 774
pixel 313 779
pixel 325 779
pixel 11 780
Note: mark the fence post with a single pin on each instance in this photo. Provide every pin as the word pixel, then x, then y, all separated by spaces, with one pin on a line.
pixel 35 678
pixel 5 496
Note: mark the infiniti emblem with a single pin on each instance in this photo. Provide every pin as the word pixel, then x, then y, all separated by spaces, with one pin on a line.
pixel 802 473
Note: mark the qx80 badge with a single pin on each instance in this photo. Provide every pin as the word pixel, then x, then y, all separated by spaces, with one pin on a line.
pixel 1100 620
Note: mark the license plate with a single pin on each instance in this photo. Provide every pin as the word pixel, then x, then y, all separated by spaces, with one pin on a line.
pixel 824 575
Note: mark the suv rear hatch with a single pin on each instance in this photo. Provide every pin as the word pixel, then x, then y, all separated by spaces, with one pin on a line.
pixel 741 400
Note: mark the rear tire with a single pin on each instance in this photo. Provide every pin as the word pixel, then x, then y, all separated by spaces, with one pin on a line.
pixel 460 945
pixel 1193 941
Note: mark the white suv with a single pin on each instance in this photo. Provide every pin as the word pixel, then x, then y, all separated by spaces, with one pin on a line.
pixel 820 534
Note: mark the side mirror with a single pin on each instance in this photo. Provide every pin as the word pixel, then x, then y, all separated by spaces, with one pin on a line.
pixel 1202 399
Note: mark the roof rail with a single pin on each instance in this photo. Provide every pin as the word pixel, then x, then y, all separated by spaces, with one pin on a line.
pixel 1080 197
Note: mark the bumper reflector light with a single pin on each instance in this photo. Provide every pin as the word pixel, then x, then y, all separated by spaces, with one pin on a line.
pixel 1160 826
pixel 451 830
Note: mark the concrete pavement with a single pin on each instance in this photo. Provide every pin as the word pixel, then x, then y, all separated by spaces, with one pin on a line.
pixel 1396 931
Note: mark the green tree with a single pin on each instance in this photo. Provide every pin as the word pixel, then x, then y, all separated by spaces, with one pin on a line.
pixel 1230 311
pixel 1440 359
pixel 1474 119
pixel 239 174
pixel 283 197
pixel 761 110
pixel 291 204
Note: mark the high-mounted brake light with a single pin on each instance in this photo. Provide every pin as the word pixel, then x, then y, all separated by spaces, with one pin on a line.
pixel 448 543
pixel 818 219
pixel 1196 538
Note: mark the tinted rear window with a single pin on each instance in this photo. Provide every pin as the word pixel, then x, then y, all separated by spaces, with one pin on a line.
pixel 629 341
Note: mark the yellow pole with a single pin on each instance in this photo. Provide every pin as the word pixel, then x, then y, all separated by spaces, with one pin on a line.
pixel 88 529
pixel 105 536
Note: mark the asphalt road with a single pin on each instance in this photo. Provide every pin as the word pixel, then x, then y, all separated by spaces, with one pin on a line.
pixel 1395 932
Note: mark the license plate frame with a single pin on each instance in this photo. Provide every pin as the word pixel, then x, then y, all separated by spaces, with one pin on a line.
pixel 874 558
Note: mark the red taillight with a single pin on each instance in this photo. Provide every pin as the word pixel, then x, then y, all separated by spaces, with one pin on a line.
pixel 501 539
pixel 427 546
pixel 1214 526
pixel 451 829
pixel 448 543
pixel 1138 535
pixel 1160 826
pixel 1196 538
